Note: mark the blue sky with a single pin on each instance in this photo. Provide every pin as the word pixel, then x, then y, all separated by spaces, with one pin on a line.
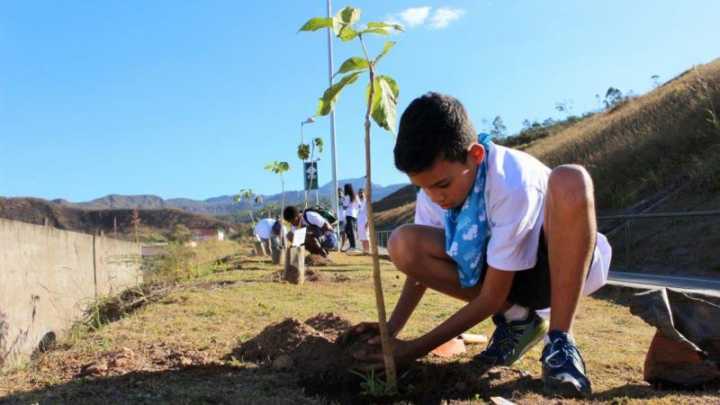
pixel 192 99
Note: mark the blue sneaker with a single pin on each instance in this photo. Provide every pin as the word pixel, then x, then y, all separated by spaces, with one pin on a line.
pixel 563 369
pixel 512 339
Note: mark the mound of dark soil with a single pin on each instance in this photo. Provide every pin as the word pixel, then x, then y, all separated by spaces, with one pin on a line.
pixel 317 261
pixel 292 344
pixel 331 325
pixel 314 275
pixel 311 350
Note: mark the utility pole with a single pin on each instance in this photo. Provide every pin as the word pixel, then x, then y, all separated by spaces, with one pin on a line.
pixel 334 194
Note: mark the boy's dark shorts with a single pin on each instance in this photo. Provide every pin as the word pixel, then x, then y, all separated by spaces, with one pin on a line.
pixel 531 288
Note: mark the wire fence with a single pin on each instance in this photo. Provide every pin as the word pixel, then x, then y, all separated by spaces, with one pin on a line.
pixel 671 242
pixel 383 237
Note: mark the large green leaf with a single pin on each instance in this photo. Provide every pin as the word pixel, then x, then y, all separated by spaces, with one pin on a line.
pixel 347 33
pixel 337 24
pixel 283 167
pixel 388 46
pixel 327 101
pixel 384 25
pixel 352 64
pixel 384 103
pixel 393 85
pixel 317 23
pixel 349 15
pixel 379 31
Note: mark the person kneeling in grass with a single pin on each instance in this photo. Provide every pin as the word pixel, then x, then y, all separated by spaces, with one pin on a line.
pixel 517 238
pixel 320 236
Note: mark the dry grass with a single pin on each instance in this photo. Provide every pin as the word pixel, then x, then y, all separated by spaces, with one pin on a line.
pixel 649 143
pixel 393 217
pixel 178 344
pixel 182 262
pixel 669 136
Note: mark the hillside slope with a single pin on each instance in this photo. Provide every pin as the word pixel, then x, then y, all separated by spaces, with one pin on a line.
pixel 660 141
pixel 36 211
pixel 669 136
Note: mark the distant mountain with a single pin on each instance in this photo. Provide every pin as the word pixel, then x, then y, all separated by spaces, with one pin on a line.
pixel 39 211
pixel 116 201
pixel 221 205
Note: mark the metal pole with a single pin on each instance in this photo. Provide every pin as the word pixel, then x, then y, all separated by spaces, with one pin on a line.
pixel 334 193
pixel 627 246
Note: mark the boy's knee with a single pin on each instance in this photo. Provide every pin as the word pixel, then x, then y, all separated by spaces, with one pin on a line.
pixel 570 186
pixel 400 245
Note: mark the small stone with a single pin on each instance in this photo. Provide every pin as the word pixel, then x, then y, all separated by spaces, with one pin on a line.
pixel 282 362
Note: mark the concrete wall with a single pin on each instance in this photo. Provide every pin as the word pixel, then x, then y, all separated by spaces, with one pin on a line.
pixel 49 276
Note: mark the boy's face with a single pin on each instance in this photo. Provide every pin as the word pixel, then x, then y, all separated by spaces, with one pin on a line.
pixel 448 183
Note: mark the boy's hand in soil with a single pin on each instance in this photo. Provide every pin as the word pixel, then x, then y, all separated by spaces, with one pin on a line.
pixel 371 354
pixel 367 332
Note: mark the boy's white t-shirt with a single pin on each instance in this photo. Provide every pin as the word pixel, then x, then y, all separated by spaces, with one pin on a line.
pixel 351 208
pixel 427 212
pixel 515 201
pixel 313 218
pixel 341 210
pixel 263 228
pixel 362 211
pixel 362 221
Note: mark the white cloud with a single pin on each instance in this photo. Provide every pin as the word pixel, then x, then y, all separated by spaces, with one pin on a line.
pixel 443 16
pixel 425 16
pixel 414 16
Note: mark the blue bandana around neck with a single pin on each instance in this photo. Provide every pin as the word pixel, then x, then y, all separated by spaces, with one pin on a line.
pixel 466 228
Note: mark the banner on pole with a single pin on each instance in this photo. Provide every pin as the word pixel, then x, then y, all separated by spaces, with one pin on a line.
pixel 311 176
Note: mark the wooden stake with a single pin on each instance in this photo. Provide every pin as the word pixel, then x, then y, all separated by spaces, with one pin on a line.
pixel 389 360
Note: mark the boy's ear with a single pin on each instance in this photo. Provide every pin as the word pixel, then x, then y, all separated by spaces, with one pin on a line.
pixel 476 153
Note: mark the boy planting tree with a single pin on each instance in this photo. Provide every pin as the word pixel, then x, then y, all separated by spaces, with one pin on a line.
pixel 517 238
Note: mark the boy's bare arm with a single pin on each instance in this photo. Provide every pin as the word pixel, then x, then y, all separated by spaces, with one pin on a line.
pixel 410 296
pixel 492 298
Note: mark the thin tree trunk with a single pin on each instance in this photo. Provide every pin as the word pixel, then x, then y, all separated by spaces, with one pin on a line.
pixel 282 207
pixel 389 360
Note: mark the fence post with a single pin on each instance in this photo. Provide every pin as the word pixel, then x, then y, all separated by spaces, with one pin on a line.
pixel 627 245
pixel 94 265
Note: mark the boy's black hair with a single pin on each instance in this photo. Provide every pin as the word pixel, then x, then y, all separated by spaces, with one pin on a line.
pixel 433 126
pixel 290 213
